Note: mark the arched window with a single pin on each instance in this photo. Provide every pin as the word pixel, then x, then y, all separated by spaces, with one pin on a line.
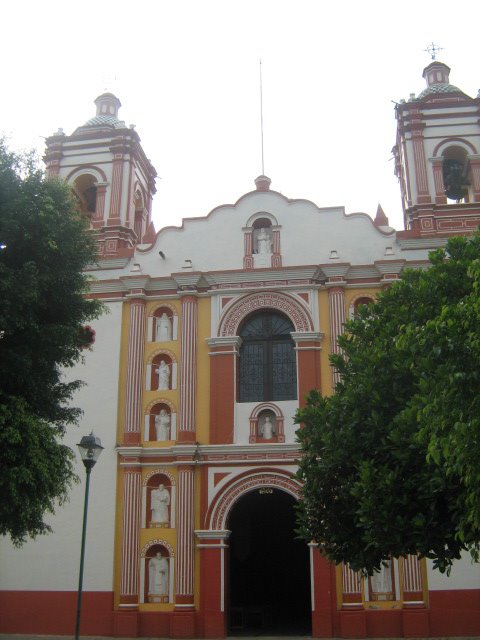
pixel 267 365
pixel 456 178
pixel 85 190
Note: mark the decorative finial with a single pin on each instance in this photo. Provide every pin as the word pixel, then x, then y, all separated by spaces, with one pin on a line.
pixel 433 50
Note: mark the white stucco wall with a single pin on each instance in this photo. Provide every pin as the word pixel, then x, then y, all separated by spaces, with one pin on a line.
pixel 243 411
pixel 465 574
pixel 307 236
pixel 51 562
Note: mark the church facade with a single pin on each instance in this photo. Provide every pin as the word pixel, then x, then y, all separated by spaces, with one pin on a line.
pixel 216 332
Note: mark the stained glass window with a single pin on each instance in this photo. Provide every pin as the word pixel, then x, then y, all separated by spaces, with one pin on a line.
pixel 267 368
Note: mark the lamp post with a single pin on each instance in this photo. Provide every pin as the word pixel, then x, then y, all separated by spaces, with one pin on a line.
pixel 90 450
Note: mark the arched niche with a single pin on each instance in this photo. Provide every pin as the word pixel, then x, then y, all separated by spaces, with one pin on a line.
pixel 357 302
pixel 157 328
pixel 158 503
pixel 157 556
pixel 262 242
pixel 161 371
pixel 262 416
pixel 154 427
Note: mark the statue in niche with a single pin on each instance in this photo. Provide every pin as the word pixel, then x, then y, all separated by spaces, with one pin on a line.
pixel 159 504
pixel 158 575
pixel 267 429
pixel 163 371
pixel 163 328
pixel 264 241
pixel 381 581
pixel 162 425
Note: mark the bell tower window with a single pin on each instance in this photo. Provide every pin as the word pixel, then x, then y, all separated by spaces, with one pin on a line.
pixel 85 189
pixel 455 174
pixel 267 363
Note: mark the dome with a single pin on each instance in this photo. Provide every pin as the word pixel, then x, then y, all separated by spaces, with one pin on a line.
pixel 438 88
pixel 437 77
pixel 107 113
pixel 105 121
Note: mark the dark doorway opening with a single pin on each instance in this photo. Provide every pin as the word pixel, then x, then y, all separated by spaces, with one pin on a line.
pixel 269 567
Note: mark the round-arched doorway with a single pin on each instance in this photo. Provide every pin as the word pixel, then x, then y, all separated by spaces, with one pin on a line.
pixel 269 574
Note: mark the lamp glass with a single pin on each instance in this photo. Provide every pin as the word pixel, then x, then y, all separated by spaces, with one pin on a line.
pixel 90 449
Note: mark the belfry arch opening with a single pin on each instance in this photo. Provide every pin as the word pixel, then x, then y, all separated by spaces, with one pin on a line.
pixel 85 191
pixel 269 572
pixel 456 174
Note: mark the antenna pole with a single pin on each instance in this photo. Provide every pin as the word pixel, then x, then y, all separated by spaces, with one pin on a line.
pixel 261 115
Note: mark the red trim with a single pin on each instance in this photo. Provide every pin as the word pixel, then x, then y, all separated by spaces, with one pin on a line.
pixel 308 370
pixel 323 596
pixel 212 618
pixel 455 613
pixel 222 397
pixel 451 613
pixel 53 612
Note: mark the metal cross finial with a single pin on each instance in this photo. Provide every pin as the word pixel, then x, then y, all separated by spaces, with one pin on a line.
pixel 433 50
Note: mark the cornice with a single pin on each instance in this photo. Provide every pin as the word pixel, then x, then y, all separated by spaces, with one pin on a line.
pixel 211 453
pixel 224 341
pixel 312 278
pixel 407 244
pixel 307 336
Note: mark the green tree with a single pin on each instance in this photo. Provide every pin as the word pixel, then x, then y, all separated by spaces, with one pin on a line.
pixel 44 247
pixel 390 462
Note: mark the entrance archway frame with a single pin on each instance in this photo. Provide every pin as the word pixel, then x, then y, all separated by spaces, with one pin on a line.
pixel 213 545
pixel 218 512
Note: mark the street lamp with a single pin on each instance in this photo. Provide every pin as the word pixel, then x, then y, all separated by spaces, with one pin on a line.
pixel 90 450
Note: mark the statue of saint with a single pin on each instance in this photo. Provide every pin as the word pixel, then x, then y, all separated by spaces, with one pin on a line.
pixel 163 328
pixel 158 575
pixel 267 430
pixel 264 241
pixel 162 425
pixel 163 371
pixel 159 503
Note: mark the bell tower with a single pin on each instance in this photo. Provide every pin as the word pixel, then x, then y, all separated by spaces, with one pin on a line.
pixel 110 175
pixel 437 157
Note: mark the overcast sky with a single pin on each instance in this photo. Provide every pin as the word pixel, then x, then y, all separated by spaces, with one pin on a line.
pixel 187 74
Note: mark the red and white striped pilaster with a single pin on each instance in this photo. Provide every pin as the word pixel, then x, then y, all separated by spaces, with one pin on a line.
pixel 133 392
pixel 100 205
pixel 184 559
pixel 412 580
pixel 475 169
pixel 351 587
pixel 420 165
pixel 440 197
pixel 336 302
pixel 248 248
pixel 116 189
pixel 276 252
pixel 188 369
pixel 129 583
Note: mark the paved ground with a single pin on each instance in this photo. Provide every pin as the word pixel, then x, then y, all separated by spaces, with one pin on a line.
pixel 7 636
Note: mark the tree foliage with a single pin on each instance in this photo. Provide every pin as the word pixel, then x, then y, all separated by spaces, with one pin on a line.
pixel 390 462
pixel 44 247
